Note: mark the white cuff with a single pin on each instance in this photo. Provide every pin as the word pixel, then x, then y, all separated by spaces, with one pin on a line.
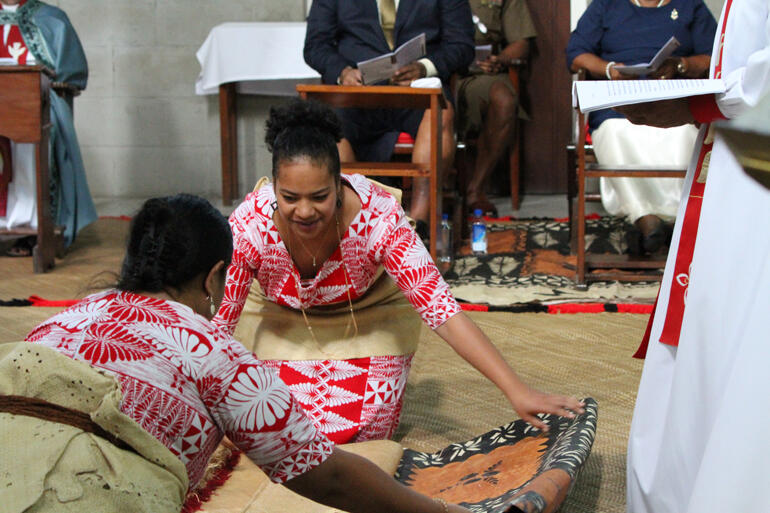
pixel 430 69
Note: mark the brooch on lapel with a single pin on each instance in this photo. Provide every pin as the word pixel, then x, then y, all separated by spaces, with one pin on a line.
pixel 674 14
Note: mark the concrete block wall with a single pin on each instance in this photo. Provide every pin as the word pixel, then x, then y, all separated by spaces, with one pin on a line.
pixel 142 130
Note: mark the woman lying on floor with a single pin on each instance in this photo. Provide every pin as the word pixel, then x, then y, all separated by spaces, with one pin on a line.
pixel 120 400
pixel 342 278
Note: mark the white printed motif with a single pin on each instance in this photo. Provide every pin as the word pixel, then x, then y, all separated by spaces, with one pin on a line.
pixel 182 379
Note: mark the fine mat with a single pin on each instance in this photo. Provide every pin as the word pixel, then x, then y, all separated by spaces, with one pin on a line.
pixel 529 261
pixel 584 355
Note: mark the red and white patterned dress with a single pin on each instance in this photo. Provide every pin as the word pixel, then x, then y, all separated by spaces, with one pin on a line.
pixel 187 382
pixel 348 400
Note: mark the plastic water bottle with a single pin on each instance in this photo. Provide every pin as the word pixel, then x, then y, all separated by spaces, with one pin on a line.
pixel 478 234
pixel 444 244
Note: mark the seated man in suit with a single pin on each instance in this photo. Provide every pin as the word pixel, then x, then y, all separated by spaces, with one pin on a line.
pixel 341 33
pixel 486 99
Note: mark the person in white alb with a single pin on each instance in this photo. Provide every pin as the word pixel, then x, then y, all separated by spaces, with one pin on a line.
pixel 698 438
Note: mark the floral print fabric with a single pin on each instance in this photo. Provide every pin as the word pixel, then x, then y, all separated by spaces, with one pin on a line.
pixel 379 235
pixel 188 383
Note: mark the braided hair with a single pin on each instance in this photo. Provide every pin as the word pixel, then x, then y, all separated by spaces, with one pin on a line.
pixel 304 129
pixel 172 240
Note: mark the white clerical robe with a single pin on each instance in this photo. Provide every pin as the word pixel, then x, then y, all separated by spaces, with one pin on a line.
pixel 698 439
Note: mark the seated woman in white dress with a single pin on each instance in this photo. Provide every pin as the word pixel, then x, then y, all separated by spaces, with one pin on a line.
pixel 611 33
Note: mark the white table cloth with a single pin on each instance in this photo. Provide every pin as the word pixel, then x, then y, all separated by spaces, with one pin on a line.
pixel 262 57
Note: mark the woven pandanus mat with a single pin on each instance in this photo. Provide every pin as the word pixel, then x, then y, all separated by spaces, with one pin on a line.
pixel 583 355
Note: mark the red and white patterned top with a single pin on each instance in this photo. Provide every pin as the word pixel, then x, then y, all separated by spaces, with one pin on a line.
pixel 379 235
pixel 188 383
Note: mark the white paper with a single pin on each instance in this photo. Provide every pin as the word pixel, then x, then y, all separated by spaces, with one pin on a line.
pixel 647 68
pixel 383 67
pixel 482 53
pixel 593 95
pixel 427 83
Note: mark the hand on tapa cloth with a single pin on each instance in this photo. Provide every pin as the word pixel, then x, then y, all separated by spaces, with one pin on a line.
pixel 512 469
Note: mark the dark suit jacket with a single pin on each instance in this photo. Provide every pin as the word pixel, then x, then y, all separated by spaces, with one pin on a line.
pixel 343 32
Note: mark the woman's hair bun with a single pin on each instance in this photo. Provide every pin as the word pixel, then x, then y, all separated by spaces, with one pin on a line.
pixel 303 115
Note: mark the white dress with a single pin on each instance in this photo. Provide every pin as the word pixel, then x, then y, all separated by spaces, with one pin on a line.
pixel 698 438
pixel 618 142
pixel 22 199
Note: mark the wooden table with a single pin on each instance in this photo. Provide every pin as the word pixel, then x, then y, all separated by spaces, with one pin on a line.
pixel 25 108
pixel 274 70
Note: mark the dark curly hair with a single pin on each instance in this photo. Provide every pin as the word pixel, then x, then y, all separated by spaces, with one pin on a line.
pixel 172 240
pixel 307 129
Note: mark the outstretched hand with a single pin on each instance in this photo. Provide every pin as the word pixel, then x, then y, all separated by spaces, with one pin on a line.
pixel 532 402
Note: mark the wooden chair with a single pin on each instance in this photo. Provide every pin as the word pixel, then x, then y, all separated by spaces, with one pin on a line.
pixel 398 98
pixel 465 162
pixel 582 165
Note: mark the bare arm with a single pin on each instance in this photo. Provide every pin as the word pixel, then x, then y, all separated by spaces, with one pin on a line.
pixel 474 346
pixel 514 51
pixel 351 483
pixel 596 66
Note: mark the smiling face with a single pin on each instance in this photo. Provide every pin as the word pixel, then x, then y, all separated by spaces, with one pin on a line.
pixel 306 194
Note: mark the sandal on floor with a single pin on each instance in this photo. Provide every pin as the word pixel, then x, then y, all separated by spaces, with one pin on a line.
pixel 22 247
pixel 487 208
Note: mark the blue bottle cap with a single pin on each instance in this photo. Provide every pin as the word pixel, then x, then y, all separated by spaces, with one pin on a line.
pixel 477 212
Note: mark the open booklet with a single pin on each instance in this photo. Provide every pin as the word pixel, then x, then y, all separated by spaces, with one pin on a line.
pixel 648 67
pixel 591 95
pixel 482 53
pixel 383 67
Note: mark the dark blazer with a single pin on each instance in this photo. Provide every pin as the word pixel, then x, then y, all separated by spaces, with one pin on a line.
pixel 343 32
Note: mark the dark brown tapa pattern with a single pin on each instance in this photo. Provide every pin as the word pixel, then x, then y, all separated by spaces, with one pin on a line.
pixel 534 253
pixel 513 466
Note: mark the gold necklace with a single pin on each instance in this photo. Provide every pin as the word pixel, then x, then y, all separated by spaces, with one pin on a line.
pixel 347 289
pixel 313 255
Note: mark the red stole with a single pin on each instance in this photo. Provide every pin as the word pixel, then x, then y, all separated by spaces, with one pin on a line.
pixel 14 46
pixel 677 300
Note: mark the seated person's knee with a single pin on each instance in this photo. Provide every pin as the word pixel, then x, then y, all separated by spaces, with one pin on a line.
pixel 502 100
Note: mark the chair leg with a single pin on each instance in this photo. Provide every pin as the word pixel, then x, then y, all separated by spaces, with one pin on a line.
pixel 581 233
pixel 514 166
pixel 463 165
pixel 571 194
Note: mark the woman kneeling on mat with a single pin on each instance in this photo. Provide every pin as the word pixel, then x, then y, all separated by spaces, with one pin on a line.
pixel 339 330
pixel 121 399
